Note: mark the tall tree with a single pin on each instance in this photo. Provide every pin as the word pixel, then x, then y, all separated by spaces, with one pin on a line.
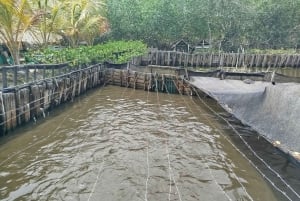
pixel 48 11
pixel 16 17
pixel 81 20
pixel 278 23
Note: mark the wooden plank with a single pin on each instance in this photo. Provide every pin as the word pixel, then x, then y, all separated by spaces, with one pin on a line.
pixel 197 60
pixel 85 80
pixel 205 63
pixel 252 60
pixel 174 58
pixel 161 58
pixel 258 60
pixel 221 61
pixel 23 106
pixel 264 61
pixel 298 61
pixel 2 115
pixel 210 60
pixel 180 59
pixel 225 58
pixel 294 61
pixel 234 60
pixel 34 101
pixel 284 61
pixel 231 59
pixel 186 57
pixel 10 109
pixel 287 64
pixel 156 58
pixel 241 60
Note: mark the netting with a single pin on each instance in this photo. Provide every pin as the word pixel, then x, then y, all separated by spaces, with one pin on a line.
pixel 272 110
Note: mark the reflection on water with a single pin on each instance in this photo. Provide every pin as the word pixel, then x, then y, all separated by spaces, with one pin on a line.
pixel 123 144
pixel 292 72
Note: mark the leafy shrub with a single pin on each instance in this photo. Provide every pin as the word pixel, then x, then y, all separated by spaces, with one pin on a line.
pixel 115 52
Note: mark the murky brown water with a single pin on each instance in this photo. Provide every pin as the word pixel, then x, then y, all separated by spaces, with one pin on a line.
pixel 123 144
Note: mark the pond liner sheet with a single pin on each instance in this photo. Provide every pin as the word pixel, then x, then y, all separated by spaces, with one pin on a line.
pixel 272 110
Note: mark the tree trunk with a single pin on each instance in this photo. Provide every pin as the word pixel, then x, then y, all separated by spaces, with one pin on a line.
pixel 14 49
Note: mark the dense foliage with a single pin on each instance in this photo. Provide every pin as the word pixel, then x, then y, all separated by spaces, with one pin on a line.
pixel 115 52
pixel 234 25
pixel 43 21
pixel 227 25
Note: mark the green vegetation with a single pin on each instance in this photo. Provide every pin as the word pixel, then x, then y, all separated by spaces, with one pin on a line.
pixel 15 18
pixel 43 20
pixel 235 25
pixel 228 26
pixel 115 52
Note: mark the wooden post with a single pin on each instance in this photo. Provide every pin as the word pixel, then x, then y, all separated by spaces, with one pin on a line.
pixel 221 57
pixel 163 83
pixel 4 77
pixel 145 81
pixel 180 59
pixel 225 60
pixel 252 60
pixel 121 78
pixel 282 60
pixel 174 58
pixel 2 116
pixel 286 61
pixel 150 82
pixel 264 62
pixel 79 82
pixel 186 58
pixel 15 77
pixel 44 72
pixel 34 74
pixel 127 78
pixel 74 87
pixel 203 58
pixel 26 74
pixel 10 121
pixel 86 77
pixel 294 61
pixel 135 79
pixel 162 59
pixel 298 61
pixel 34 101
pixel 210 60
pixel 197 60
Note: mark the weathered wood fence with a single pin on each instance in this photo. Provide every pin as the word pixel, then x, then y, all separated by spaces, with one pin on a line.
pixel 15 75
pixel 148 81
pixel 171 58
pixel 23 103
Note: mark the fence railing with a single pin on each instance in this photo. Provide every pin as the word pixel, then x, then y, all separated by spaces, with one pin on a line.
pixel 15 75
pixel 20 104
pixel 171 58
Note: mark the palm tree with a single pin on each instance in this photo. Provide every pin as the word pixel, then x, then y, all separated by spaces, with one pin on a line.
pixel 48 11
pixel 82 20
pixel 16 17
